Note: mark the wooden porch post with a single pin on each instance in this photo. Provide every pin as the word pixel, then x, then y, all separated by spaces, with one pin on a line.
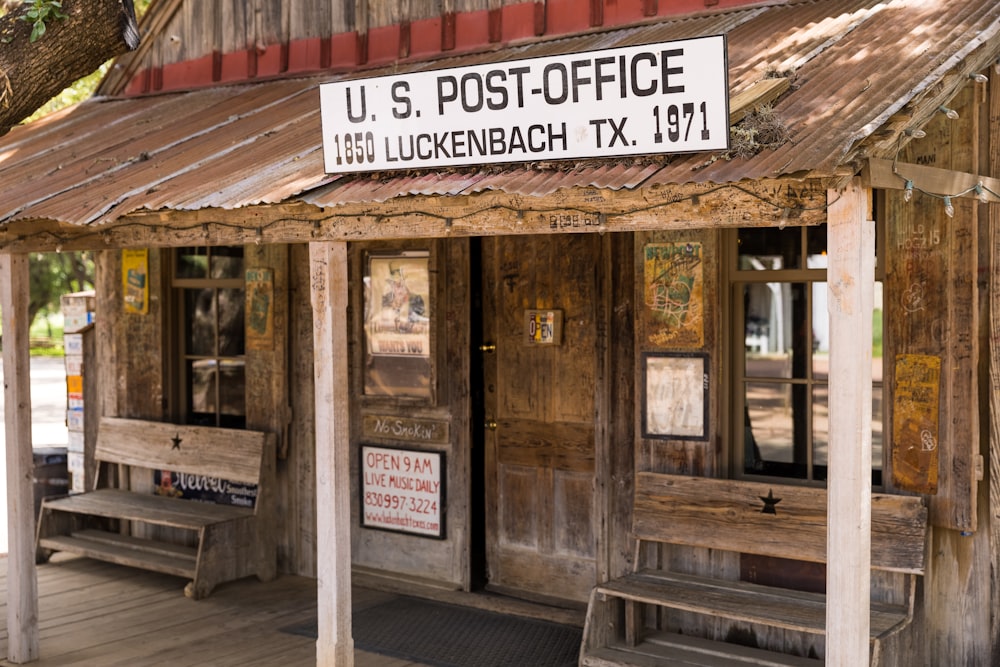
pixel 22 581
pixel 334 646
pixel 850 284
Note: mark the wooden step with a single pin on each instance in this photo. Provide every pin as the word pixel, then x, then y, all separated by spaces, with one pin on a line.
pixel 683 651
pixel 172 559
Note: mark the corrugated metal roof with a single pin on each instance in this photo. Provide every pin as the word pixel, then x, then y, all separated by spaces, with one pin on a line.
pixel 853 63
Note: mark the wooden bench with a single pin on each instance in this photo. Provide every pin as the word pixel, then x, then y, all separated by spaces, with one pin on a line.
pixel 730 515
pixel 205 542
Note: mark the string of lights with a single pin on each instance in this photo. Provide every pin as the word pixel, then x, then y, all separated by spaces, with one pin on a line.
pixel 982 191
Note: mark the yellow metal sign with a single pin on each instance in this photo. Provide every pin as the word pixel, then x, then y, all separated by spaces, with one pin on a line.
pixel 135 280
pixel 915 408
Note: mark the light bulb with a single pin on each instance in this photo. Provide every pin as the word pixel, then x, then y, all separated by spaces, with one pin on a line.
pixel 979 77
pixel 908 191
pixel 981 194
pixel 950 113
pixel 949 210
pixel 916 133
pixel 786 213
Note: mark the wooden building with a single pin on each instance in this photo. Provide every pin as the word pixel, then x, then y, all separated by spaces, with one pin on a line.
pixel 775 363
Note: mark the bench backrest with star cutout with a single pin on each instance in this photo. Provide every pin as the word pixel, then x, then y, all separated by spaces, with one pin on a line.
pixel 231 454
pixel 782 521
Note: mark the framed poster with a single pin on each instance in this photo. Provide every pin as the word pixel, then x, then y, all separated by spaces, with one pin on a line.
pixel 675 397
pixel 673 294
pixel 402 490
pixel 259 309
pixel 398 325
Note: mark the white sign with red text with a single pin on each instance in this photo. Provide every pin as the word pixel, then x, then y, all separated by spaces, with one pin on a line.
pixel 402 490
pixel 670 97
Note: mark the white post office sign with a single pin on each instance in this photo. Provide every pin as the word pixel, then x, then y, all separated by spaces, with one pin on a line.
pixel 671 97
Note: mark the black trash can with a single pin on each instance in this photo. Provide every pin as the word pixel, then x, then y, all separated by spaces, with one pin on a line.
pixel 51 474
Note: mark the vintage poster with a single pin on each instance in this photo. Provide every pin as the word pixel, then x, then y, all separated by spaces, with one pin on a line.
pixel 676 396
pixel 915 409
pixel 673 294
pixel 396 310
pixel 135 281
pixel 260 309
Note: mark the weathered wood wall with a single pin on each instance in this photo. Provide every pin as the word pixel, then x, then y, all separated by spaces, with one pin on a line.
pixel 933 308
pixel 297 501
pixel 700 333
pixel 446 560
pixel 130 346
pixel 989 283
pixel 133 357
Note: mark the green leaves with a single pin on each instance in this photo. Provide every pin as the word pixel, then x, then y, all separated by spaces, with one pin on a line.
pixel 40 12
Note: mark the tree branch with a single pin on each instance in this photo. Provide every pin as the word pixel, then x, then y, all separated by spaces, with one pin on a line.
pixel 33 73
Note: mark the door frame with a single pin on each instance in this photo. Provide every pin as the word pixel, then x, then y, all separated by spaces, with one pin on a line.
pixel 615 411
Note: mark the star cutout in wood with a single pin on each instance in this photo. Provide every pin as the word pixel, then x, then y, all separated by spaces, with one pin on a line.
pixel 769 502
pixel 177 441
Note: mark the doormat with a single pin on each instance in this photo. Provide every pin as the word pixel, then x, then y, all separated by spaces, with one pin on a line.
pixel 444 635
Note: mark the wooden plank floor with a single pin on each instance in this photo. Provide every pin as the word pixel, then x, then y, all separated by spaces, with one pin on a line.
pixel 97 614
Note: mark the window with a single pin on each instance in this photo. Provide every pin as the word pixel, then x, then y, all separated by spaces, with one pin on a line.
pixel 209 285
pixel 781 346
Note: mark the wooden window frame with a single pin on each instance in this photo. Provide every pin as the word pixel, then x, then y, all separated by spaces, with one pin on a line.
pixel 178 288
pixel 735 281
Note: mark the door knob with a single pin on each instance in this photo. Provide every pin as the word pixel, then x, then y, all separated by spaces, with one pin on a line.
pixel 491 424
pixel 488 347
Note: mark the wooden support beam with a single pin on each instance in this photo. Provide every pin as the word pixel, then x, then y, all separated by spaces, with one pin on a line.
pixel 889 175
pixel 850 288
pixel 22 582
pixel 329 281
pixel 756 94
pixel 764 203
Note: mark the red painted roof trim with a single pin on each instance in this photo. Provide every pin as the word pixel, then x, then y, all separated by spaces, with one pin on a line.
pixel 426 38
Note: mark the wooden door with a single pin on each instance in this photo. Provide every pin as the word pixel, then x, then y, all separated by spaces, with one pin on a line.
pixel 539 407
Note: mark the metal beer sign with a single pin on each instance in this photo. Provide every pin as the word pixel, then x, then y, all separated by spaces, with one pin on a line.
pixel 671 97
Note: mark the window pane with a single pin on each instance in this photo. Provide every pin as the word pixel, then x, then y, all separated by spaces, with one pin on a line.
pixel 776 337
pixel 199 322
pixel 770 249
pixel 227 263
pixel 816 245
pixel 231 332
pixel 192 263
pixel 768 428
pixel 877 426
pixel 820 333
pixel 232 387
pixel 877 374
pixel 776 423
pixel 202 402
pixel 821 427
